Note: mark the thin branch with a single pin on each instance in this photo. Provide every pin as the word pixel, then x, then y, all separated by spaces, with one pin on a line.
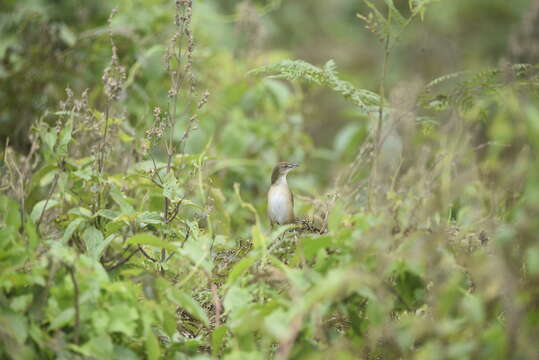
pixel 186 236
pixel 175 211
pixel 104 138
pixel 51 191
pixel 217 304
pixel 156 183
pixel 123 261
pixel 118 256
pixel 156 170
pixel 146 254
pixel 40 301
pixel 170 255
pixel 378 134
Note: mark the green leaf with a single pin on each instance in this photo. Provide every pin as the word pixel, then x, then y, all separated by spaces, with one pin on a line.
pixel 150 217
pixel 114 226
pixel 217 337
pixel 39 208
pixel 149 239
pixel 121 200
pixel 236 298
pixel 108 214
pixel 81 211
pixel 14 326
pixel 123 319
pixel 312 244
pixel 64 139
pixel 93 239
pixel 99 346
pixel 11 212
pixel 46 171
pixel 188 304
pixel 84 173
pixel 124 353
pixel 62 319
pixel 71 228
pixel 152 347
pixel 21 303
pixel 100 320
pixel 48 136
pixel 31 231
pixel 104 244
pixel 239 268
pixel 169 322
pixel 171 188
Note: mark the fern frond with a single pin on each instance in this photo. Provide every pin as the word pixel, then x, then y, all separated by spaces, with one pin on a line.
pixel 476 84
pixel 327 76
pixel 485 75
pixel 445 78
pixel 472 86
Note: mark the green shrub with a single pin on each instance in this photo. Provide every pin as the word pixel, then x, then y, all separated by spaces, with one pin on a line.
pixel 134 227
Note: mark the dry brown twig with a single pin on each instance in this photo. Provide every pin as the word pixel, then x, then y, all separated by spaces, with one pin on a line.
pixel 19 172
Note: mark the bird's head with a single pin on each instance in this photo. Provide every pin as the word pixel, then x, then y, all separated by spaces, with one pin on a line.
pixel 281 169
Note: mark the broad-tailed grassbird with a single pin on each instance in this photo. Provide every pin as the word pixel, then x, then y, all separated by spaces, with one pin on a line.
pixel 280 198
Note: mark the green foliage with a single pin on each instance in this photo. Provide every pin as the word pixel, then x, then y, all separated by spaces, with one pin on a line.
pixel 326 76
pixel 475 87
pixel 134 228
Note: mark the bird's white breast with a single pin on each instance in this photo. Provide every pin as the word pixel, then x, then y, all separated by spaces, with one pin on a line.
pixel 280 204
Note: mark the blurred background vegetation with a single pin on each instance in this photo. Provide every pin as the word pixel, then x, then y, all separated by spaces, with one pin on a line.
pixel 429 246
pixel 47 46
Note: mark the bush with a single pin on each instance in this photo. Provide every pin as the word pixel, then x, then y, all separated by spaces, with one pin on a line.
pixel 134 225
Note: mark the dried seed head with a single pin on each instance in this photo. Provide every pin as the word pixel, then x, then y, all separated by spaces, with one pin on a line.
pixel 114 75
pixel 157 112
pixel 203 100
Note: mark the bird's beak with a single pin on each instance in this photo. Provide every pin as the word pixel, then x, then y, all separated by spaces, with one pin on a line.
pixel 293 166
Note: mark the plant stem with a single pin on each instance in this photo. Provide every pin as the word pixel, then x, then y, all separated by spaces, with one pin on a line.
pixel 170 148
pixel 103 141
pixel 71 271
pixel 51 191
pixel 378 134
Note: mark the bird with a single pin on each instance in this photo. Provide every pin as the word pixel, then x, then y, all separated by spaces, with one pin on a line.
pixel 280 198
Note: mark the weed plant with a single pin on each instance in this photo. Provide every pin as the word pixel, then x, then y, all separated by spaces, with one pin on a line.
pixel 130 239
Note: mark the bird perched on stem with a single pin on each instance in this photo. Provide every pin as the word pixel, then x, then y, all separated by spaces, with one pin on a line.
pixel 280 198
